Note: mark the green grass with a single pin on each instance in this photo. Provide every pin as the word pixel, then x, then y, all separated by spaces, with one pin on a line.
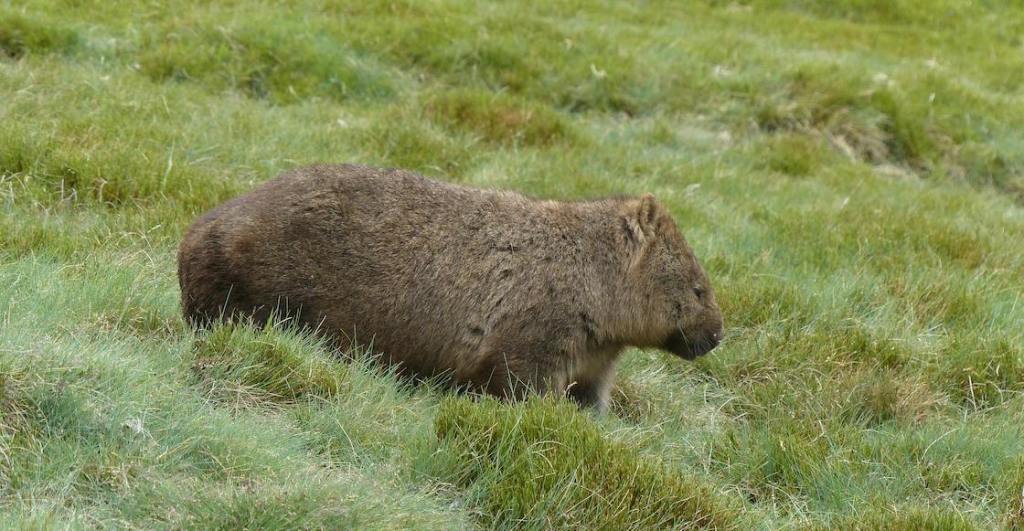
pixel 850 173
pixel 539 464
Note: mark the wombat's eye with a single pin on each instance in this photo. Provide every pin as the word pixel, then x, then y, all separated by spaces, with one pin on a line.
pixel 678 307
pixel 699 292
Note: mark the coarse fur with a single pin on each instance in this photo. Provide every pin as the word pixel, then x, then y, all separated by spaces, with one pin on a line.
pixel 501 292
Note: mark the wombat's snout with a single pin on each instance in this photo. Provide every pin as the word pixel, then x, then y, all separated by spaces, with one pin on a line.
pixel 693 347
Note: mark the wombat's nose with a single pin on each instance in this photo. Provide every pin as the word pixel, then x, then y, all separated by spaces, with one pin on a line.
pixel 716 338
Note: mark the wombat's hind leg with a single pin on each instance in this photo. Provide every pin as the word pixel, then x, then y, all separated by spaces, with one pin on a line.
pixel 512 379
pixel 222 301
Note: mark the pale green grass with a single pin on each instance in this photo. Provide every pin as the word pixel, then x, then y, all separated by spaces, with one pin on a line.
pixel 851 174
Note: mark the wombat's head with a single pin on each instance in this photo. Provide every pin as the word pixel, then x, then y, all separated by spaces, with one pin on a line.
pixel 664 278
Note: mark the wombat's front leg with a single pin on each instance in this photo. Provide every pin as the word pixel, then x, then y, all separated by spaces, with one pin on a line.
pixel 595 393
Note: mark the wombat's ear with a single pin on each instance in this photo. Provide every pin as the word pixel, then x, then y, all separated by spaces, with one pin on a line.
pixel 648 215
pixel 641 223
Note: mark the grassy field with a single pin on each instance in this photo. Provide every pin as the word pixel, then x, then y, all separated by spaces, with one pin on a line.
pixel 851 174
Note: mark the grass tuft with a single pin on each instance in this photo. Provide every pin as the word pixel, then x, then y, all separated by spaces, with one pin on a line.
pixel 906 516
pixel 20 36
pixel 281 61
pixel 267 507
pixel 983 373
pixel 860 118
pixel 500 119
pixel 880 396
pixel 792 154
pixel 281 365
pixel 542 463
pixel 1015 496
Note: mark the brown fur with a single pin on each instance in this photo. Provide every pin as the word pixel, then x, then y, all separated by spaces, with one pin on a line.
pixel 503 292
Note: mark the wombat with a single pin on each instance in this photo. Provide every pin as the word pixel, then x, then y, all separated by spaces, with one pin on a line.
pixel 501 292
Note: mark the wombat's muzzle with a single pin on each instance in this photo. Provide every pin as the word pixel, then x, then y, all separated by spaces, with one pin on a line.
pixel 692 347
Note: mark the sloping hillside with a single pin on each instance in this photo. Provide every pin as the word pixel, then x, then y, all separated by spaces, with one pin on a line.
pixel 851 176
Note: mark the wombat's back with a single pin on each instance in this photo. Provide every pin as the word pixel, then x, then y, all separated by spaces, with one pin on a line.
pixel 417 267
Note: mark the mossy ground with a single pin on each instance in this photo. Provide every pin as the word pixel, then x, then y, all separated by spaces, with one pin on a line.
pixel 851 174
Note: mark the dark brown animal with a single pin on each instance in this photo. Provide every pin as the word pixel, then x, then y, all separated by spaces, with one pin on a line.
pixel 502 292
